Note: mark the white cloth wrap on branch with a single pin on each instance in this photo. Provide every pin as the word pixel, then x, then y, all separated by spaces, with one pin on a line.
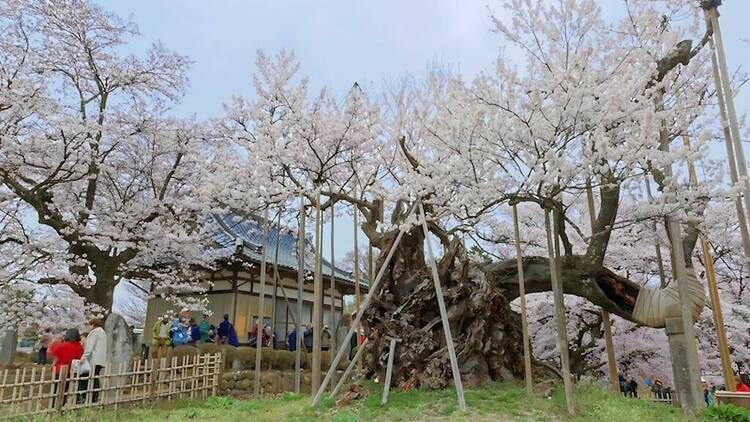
pixel 653 306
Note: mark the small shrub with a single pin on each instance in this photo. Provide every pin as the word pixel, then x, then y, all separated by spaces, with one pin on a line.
pixel 220 402
pixel 725 413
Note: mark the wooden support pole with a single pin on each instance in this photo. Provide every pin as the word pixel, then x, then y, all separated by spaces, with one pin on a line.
pixel 274 290
pixel 562 333
pixel 732 158
pixel 370 294
pixel 716 41
pixel 606 323
pixel 348 370
pixel 261 303
pixel 522 296
pixel 389 371
pixel 357 291
pixel 713 290
pixel 443 312
pixel 333 330
pixel 300 289
pixel 657 243
pixel 317 319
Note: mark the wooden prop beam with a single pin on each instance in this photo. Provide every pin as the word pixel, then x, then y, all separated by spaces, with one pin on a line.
pixel 557 292
pixel 300 289
pixel 389 371
pixel 522 296
pixel 606 323
pixel 332 345
pixel 713 290
pixel 274 289
pixel 348 370
pixel 261 303
pixel 370 294
pixel 357 292
pixel 443 313
pixel 716 41
pixel 657 244
pixel 728 140
pixel 291 312
pixel 317 301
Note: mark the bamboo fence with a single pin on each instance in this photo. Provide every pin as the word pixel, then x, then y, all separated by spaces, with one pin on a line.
pixel 29 391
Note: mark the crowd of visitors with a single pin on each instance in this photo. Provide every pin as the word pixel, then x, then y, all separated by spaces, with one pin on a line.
pixel 84 353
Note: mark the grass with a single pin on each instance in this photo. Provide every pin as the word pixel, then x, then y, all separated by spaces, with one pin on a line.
pixel 492 402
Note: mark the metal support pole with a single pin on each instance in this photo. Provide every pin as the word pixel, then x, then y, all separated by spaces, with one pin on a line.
pixel 522 296
pixel 370 294
pixel 443 313
pixel 261 303
pixel 557 293
pixel 606 323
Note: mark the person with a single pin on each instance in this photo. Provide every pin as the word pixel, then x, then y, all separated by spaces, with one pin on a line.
pixel 204 330
pixel 708 394
pixel 44 341
pixel 95 353
pixel 353 344
pixel 658 389
pixel 227 333
pixel 160 335
pixel 252 335
pixel 291 340
pixel 308 337
pixel 633 388
pixel 267 336
pixel 623 384
pixel 133 337
pixel 65 350
pixel 180 330
pixel 741 385
pixel 195 332
pixel 325 338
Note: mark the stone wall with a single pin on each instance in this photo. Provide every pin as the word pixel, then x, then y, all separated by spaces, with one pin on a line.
pixel 241 382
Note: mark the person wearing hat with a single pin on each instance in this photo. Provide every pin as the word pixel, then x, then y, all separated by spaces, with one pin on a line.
pixel 161 335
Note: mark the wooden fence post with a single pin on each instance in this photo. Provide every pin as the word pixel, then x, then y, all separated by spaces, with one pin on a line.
pixel 61 389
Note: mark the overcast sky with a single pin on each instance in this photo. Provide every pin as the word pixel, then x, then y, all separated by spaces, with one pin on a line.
pixel 340 42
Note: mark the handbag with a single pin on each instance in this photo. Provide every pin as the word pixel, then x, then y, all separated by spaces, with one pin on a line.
pixel 85 367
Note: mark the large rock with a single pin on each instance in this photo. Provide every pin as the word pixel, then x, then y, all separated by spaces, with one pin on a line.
pixel 119 345
pixel 8 344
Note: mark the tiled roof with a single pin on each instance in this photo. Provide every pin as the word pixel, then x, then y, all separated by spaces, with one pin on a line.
pixel 237 235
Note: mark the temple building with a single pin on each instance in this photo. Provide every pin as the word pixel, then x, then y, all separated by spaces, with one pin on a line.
pixel 234 287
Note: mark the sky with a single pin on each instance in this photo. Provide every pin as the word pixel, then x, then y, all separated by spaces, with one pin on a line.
pixel 342 42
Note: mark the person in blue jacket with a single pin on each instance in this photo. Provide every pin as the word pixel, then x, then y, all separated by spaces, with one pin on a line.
pixel 227 333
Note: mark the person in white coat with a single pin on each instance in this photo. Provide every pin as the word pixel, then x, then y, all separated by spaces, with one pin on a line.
pixel 95 353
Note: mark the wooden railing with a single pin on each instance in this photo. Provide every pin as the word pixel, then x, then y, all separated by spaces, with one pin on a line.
pixel 37 390
pixel 649 395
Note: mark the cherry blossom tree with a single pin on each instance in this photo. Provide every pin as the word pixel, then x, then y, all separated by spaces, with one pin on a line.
pixel 594 99
pixel 96 171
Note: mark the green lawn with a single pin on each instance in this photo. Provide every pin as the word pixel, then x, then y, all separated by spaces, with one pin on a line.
pixel 494 402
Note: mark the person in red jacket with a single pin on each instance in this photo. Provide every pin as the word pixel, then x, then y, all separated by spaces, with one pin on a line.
pixel 65 352
pixel 741 386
